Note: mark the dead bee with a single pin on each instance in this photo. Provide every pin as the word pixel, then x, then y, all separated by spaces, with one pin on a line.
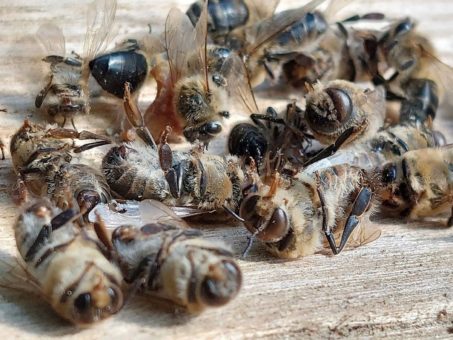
pixel 168 260
pixel 411 71
pixel 338 105
pixel 419 183
pixel 291 216
pixel 227 15
pixel 65 265
pixel 140 171
pixel 271 42
pixel 42 157
pixel 66 93
pixel 283 135
pixel 194 82
pixel 386 145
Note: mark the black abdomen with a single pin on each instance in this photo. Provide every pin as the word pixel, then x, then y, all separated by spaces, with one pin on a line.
pixel 113 70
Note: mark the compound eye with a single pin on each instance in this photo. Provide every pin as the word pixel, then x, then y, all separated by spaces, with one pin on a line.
pixel 389 173
pixel 276 228
pixel 83 302
pixel 218 289
pixel 342 103
pixel 325 115
pixel 403 28
pixel 247 211
pixel 213 128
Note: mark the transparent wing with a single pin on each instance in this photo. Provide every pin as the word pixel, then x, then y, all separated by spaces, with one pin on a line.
pixel 100 17
pixel 139 213
pixel 181 40
pixel 261 9
pixel 51 39
pixel 238 83
pixel 267 29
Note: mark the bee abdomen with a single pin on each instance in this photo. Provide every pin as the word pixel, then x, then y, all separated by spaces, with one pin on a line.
pixel 113 70
pixel 422 100
pixel 310 27
pixel 225 15
pixel 246 140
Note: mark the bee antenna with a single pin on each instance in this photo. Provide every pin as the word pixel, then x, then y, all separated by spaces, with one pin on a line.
pixel 274 185
pixel 250 240
pixel 233 214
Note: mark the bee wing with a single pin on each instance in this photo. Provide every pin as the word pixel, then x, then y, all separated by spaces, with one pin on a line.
pixel 181 39
pixel 260 9
pixel 267 29
pixel 139 213
pixel 100 17
pixel 238 83
pixel 365 233
pixel 51 39
pixel 15 277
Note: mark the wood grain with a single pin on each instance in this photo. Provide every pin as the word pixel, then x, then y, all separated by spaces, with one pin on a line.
pixel 398 286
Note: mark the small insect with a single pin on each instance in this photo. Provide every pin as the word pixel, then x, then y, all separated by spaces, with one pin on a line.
pixel 419 183
pixel 227 15
pixel 412 72
pixel 338 105
pixel 66 93
pixel 291 216
pixel 283 135
pixel 66 266
pixel 194 82
pixel 42 157
pixel 166 259
pixel 386 145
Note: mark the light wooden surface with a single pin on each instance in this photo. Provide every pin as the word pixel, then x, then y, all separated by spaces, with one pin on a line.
pixel 400 285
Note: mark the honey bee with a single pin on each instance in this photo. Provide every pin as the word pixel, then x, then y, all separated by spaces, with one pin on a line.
pixel 331 110
pixel 419 183
pixel 411 71
pixel 269 43
pixel 66 93
pixel 338 105
pixel 386 145
pixel 347 50
pixel 170 261
pixel 42 157
pixel 291 216
pixel 194 82
pixel 66 266
pixel 140 171
pixel 227 15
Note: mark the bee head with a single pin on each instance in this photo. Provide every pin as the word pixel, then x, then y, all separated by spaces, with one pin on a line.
pixel 94 297
pixel 264 216
pixel 329 109
pixel 203 132
pixel 221 283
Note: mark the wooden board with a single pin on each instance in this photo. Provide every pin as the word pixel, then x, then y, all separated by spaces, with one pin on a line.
pixel 400 285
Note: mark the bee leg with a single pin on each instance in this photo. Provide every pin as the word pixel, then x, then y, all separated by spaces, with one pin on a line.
pixel 90 146
pixel 166 161
pixel 43 93
pixel 38 152
pixel 360 205
pixel 135 117
pixel 20 192
pixel 62 133
pixel 101 232
pixel 2 148
pixel 332 148
pixel 63 218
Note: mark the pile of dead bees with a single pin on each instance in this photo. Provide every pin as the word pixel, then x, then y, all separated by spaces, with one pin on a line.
pixel 300 181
